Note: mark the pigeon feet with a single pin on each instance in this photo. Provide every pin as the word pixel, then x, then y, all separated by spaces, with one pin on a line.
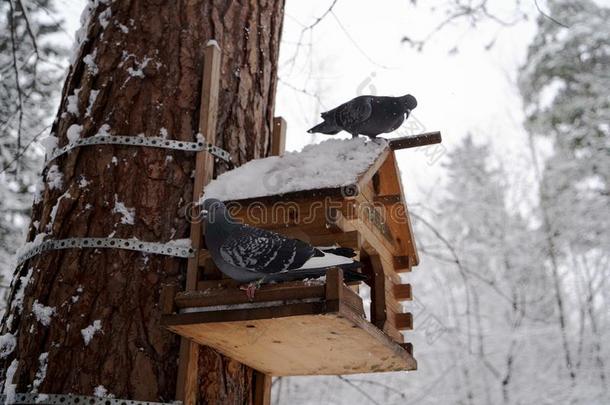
pixel 250 289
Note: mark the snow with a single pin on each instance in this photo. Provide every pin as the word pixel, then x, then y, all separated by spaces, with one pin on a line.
pixel 102 392
pixel 128 214
pixel 329 164
pixel 104 17
pixel 212 42
pixel 23 282
pixel 139 70
pixel 181 243
pixel 72 106
pixel 89 60
pixel 83 182
pixel 38 239
pixel 42 371
pixel 9 387
pixel 7 344
pixel 49 144
pixel 55 178
pixel 104 130
pixel 92 97
pixel 74 132
pixel 42 313
pixel 38 190
pixel 53 213
pixel 91 330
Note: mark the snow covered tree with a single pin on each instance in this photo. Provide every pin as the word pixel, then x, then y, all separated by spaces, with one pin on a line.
pixel 87 321
pixel 565 84
pixel 29 87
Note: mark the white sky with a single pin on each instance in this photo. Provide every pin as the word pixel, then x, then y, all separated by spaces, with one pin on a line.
pixel 470 91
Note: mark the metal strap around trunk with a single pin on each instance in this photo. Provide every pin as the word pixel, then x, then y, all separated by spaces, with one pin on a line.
pixel 153 141
pixel 69 399
pixel 168 249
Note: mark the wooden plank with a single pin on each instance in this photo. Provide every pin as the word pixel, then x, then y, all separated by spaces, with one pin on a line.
pixel 389 199
pixel 390 330
pixel 402 230
pixel 378 304
pixel 233 295
pixel 402 292
pixel 204 164
pixel 308 344
pixel 186 387
pixel 353 300
pixel 350 240
pixel 262 388
pixel 427 138
pixel 278 137
pixel 202 257
pixel 207 285
pixel 334 284
pixel 243 314
pixel 372 170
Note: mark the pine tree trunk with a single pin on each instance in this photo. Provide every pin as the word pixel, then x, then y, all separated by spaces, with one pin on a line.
pixel 147 69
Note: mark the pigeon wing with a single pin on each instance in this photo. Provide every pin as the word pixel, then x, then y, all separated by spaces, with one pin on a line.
pixel 354 112
pixel 262 251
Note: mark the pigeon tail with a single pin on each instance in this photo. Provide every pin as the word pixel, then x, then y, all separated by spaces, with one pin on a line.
pixel 349 274
pixel 339 251
pixel 325 128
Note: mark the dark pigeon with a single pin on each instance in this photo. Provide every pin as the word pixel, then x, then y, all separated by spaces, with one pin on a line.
pixel 253 255
pixel 367 115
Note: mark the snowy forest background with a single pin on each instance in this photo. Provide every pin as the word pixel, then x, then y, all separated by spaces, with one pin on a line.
pixel 511 296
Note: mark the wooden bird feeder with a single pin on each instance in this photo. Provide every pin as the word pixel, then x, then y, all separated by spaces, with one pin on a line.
pixel 313 327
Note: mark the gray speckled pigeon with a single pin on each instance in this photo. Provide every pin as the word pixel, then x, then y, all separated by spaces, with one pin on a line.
pixel 248 254
pixel 367 115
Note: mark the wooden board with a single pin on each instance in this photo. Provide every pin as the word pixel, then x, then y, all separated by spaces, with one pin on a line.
pixel 186 385
pixel 322 342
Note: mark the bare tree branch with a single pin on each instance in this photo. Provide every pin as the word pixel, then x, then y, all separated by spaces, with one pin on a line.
pixel 548 16
pixel 16 69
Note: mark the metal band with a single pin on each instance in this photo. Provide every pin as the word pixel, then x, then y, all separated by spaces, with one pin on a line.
pixel 168 249
pixel 69 399
pixel 153 141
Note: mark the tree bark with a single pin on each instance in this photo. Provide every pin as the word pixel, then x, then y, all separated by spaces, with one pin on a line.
pixel 144 59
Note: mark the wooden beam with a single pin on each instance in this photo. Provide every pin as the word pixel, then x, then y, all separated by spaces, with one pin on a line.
pixel 378 305
pixel 278 137
pixel 268 292
pixel 402 264
pixel 390 199
pixel 262 388
pixel 350 239
pixel 404 321
pixel 402 292
pixel 427 138
pixel 334 284
pixel 186 387
pixel 408 347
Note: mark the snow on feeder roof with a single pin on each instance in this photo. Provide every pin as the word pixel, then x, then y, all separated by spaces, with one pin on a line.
pixel 330 164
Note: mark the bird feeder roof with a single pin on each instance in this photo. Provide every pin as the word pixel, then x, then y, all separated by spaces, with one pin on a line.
pixel 331 164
